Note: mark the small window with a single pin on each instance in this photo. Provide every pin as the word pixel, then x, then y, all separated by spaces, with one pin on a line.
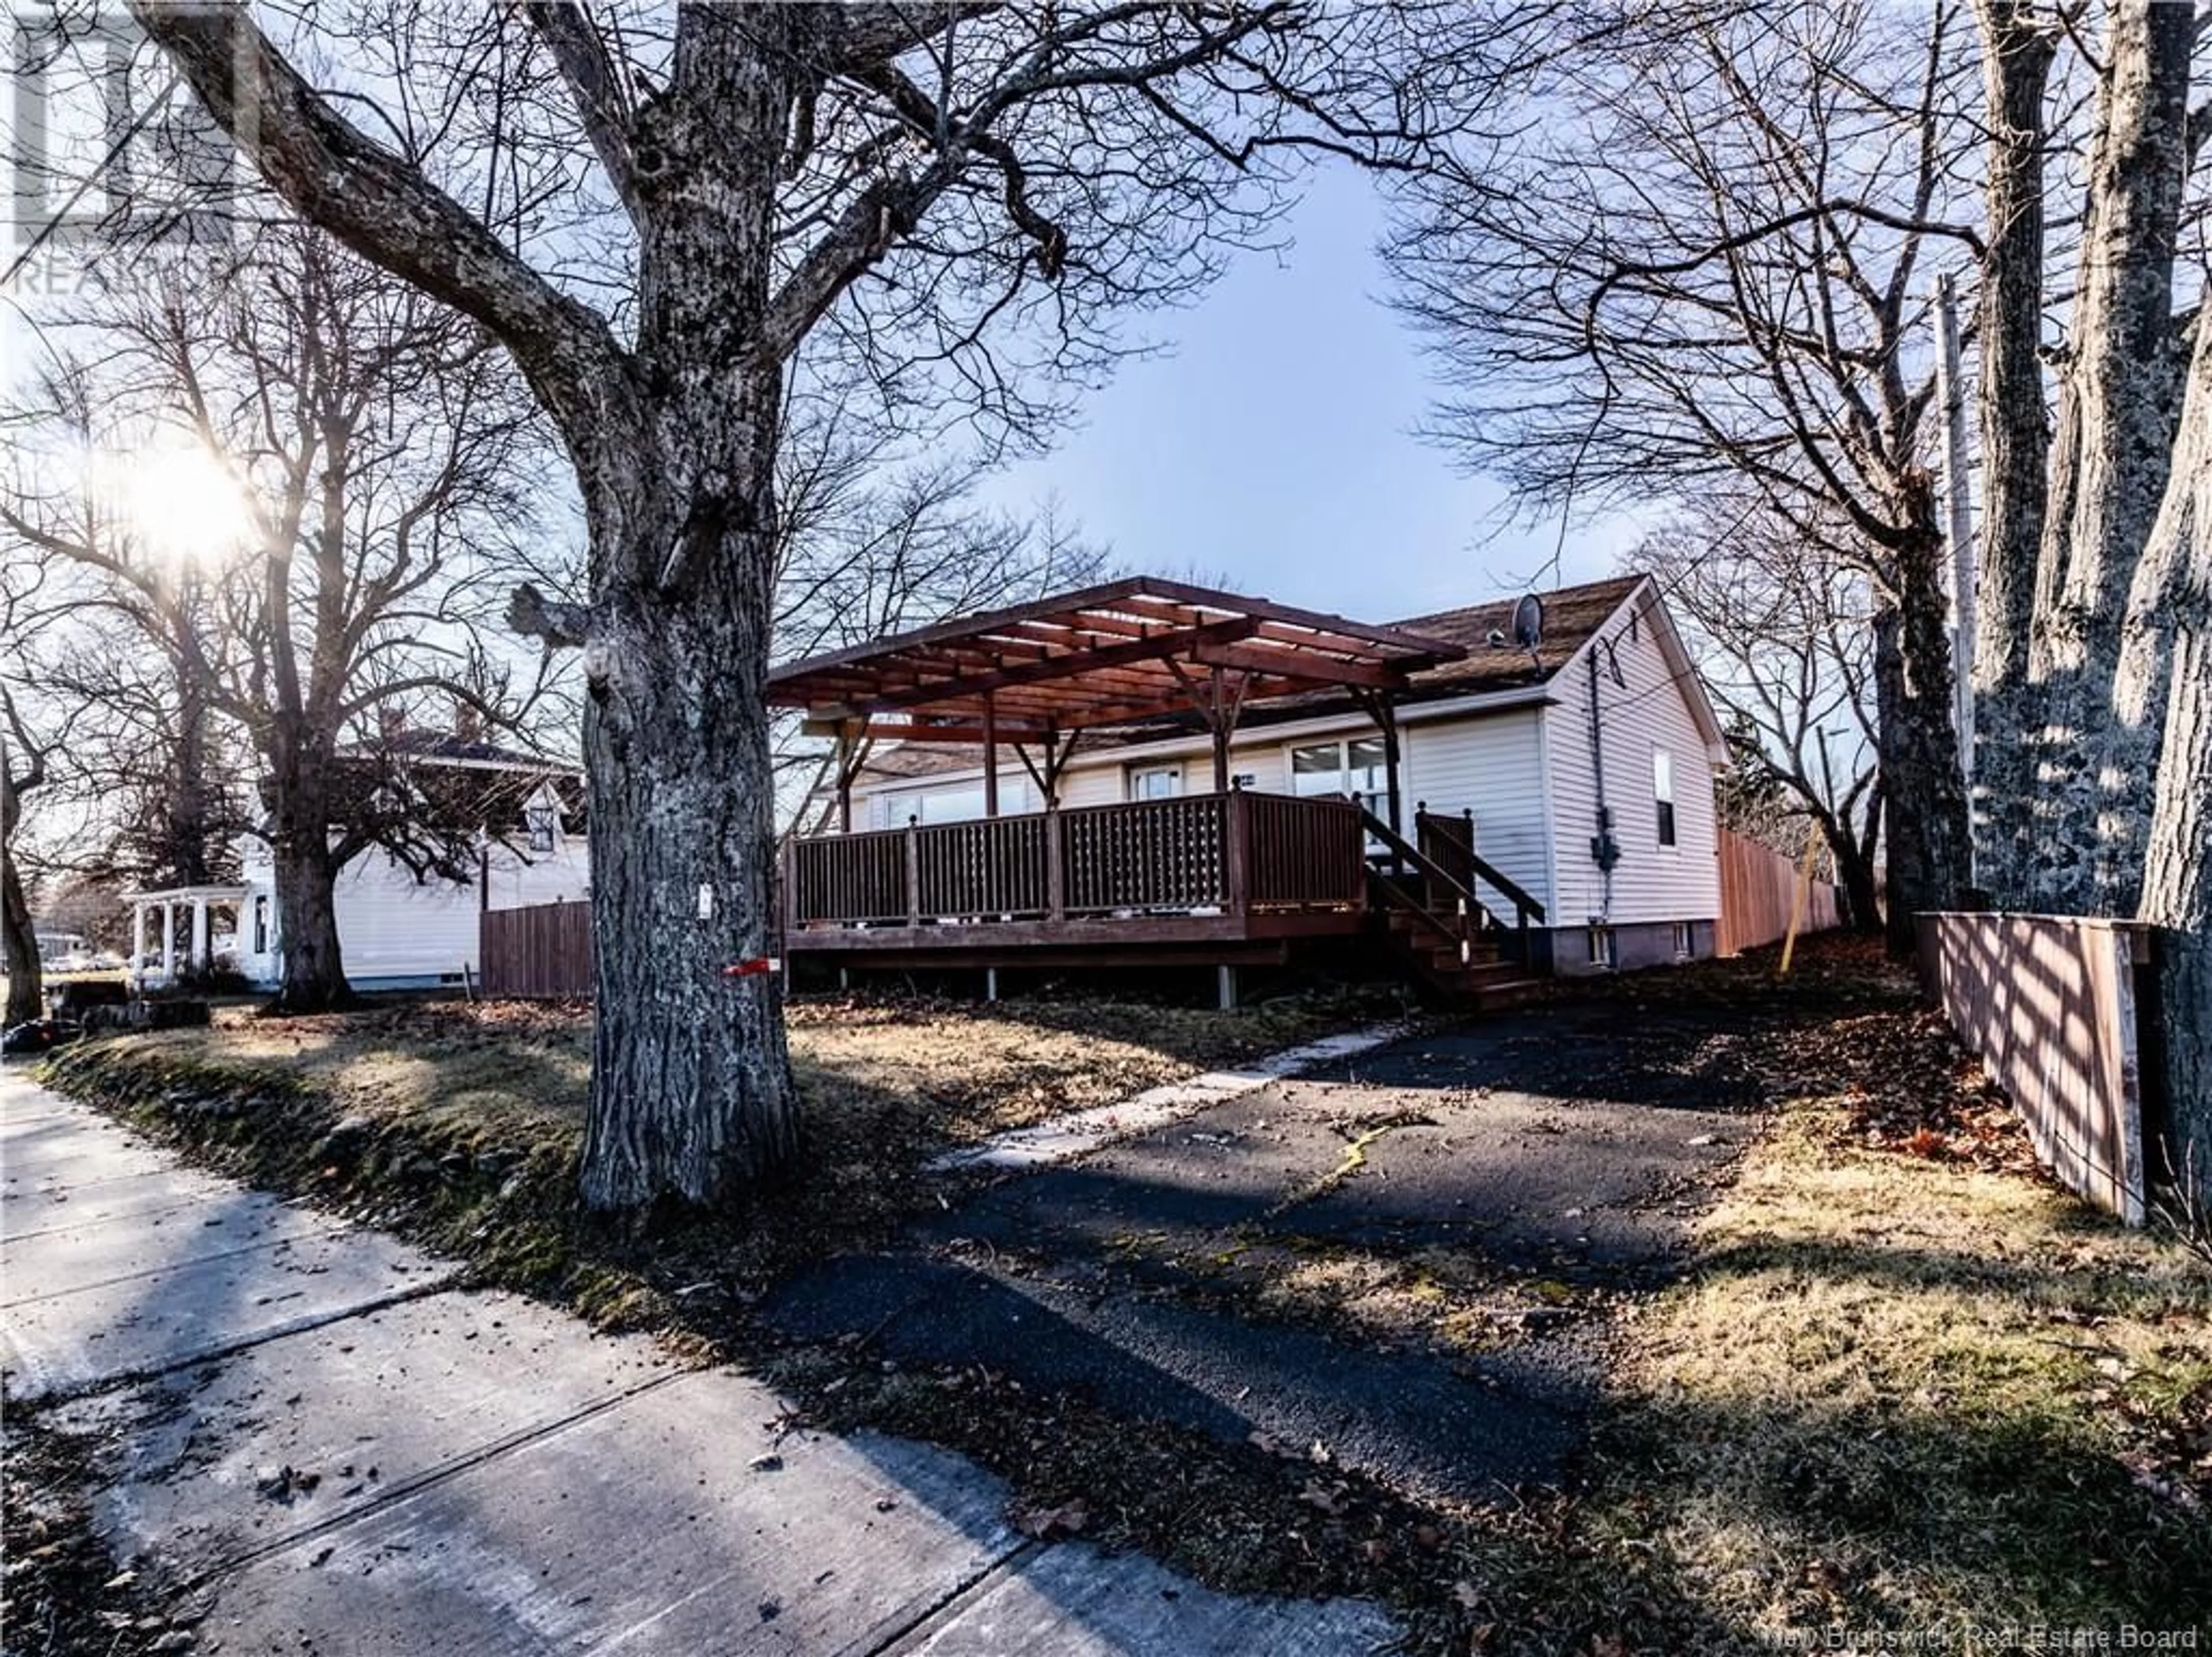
pixel 1662 793
pixel 1684 941
pixel 1317 768
pixel 1156 783
pixel 1601 946
pixel 261 926
pixel 545 825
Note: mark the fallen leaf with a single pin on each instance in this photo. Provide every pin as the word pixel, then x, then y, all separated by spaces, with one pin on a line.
pixel 1045 1523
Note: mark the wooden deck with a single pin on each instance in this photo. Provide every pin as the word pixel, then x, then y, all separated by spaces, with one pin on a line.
pixel 1215 877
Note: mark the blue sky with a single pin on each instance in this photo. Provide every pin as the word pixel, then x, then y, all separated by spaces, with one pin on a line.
pixel 1274 444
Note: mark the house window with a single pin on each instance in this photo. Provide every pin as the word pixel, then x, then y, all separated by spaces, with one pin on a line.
pixel 1684 943
pixel 1601 947
pixel 950 805
pixel 1359 768
pixel 1662 793
pixel 1156 783
pixel 544 824
pixel 261 926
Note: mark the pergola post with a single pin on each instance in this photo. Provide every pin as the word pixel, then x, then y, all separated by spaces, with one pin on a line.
pixel 137 944
pixel 199 957
pixel 168 942
pixel 842 759
pixel 990 755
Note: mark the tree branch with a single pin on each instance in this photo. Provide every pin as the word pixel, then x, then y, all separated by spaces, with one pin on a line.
pixel 385 209
pixel 595 84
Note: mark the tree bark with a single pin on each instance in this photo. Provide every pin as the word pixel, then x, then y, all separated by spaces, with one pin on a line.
pixel 2017 52
pixel 691 1090
pixel 691 1094
pixel 2117 435
pixel 20 956
pixel 189 797
pixel 2170 652
pixel 1854 870
pixel 1927 836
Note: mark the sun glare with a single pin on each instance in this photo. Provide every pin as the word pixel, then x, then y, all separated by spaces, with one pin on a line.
pixel 180 503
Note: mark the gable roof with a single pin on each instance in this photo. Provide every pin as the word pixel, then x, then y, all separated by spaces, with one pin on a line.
pixel 1572 616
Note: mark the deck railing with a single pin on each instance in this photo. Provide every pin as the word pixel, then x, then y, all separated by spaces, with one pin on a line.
pixel 1227 853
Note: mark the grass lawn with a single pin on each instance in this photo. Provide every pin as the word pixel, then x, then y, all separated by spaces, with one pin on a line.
pixel 459 1124
pixel 1911 1384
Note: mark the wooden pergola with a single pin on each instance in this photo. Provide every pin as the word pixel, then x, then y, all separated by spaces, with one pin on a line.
pixel 1038 676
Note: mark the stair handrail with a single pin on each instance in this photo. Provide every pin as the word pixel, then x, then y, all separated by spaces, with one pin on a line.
pixel 1524 905
pixel 1524 902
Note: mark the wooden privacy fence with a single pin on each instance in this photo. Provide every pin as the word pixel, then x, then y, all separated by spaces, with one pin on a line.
pixel 2048 1003
pixel 1758 887
pixel 542 952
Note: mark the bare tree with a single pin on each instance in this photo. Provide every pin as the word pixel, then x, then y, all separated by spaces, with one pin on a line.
pixel 1704 266
pixel 368 450
pixel 875 539
pixel 927 200
pixel 1780 625
pixel 2121 368
pixel 33 731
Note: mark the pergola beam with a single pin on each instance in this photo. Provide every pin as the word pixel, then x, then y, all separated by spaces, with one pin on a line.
pixel 1125 653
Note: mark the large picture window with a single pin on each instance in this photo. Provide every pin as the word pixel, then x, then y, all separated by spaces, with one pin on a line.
pixel 1358 767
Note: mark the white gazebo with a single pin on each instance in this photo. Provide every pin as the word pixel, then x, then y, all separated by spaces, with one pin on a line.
pixel 195 901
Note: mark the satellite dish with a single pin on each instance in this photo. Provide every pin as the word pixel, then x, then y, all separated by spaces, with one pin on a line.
pixel 1528 622
pixel 1613 665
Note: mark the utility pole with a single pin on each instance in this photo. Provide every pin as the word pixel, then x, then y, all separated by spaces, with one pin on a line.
pixel 1953 397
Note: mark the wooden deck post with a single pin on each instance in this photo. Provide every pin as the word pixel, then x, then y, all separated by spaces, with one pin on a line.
pixel 913 871
pixel 1237 858
pixel 1055 869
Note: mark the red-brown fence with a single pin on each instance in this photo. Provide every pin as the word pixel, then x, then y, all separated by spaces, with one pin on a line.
pixel 542 952
pixel 1231 852
pixel 2048 1003
pixel 1758 887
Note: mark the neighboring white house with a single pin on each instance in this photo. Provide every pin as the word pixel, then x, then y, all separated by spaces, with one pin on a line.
pixel 396 931
pixel 1587 769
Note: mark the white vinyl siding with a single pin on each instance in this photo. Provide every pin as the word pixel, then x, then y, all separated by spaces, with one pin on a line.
pixel 1491 766
pixel 1645 713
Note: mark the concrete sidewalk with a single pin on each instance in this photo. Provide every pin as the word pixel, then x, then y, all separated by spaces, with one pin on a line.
pixel 318 1439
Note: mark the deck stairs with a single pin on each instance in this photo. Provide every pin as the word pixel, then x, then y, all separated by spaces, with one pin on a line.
pixel 1441 933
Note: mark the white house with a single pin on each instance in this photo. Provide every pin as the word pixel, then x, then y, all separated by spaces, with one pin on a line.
pixel 1586 766
pixel 396 930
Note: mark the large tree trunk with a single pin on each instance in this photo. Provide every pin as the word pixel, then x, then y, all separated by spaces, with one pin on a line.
pixel 2017 52
pixel 190 862
pixel 2116 434
pixel 691 1094
pixel 2170 643
pixel 1855 872
pixel 311 965
pixel 1927 833
pixel 18 943
pixel 691 1090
